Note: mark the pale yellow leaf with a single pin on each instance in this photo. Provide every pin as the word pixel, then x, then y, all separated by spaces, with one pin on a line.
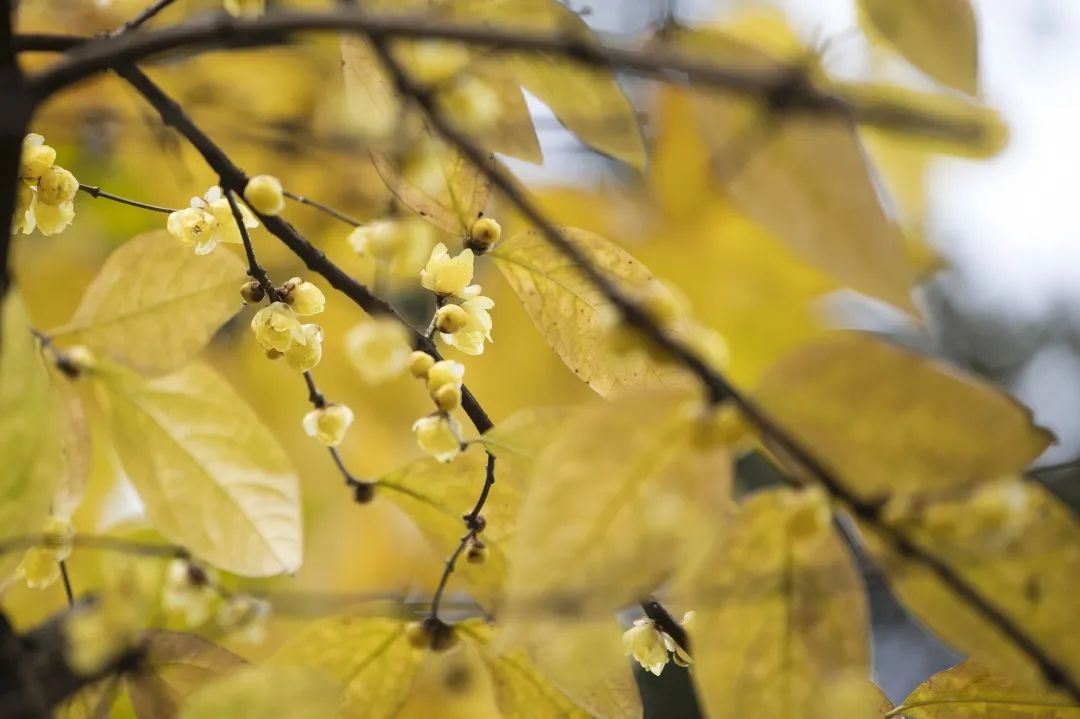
pixel 30 448
pixel 75 445
pixel 939 37
pixel 890 422
pixel 265 691
pixel 373 103
pixel 176 665
pixel 436 494
pixel 780 611
pixel 571 314
pixel 970 691
pixel 213 478
pixel 518 440
pixel 155 304
pixel 370 656
pixel 1017 547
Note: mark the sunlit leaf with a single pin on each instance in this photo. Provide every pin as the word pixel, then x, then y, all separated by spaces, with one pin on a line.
pixel 212 476
pixel 436 495
pixel 518 440
pixel 570 312
pixel 780 611
pixel 75 445
pixel 155 304
pixel 939 37
pixel 30 448
pixel 1014 545
pixel 265 691
pixel 969 691
pixel 891 422
pixel 370 656
pixel 176 665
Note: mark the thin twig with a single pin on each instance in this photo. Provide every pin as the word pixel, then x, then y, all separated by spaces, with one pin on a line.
pixel 97 192
pixel 336 214
pixel 68 591
pixel 148 13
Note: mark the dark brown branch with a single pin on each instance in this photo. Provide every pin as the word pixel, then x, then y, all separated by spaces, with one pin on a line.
pixel 99 55
pixel 17 106
pixel 784 444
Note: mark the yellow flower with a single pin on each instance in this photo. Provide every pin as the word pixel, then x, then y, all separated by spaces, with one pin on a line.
pixel 40 566
pixel 57 187
pixel 450 319
pixel 208 221
pixel 244 618
pixel 328 424
pixel 448 398
pixel 378 349
pixel 679 655
pixel 420 363
pixel 445 275
pixel 265 194
pixel 23 219
pixel 445 373
pixel 439 435
pixel 52 219
pixel 305 355
pixel 645 643
pixel 476 328
pixel 305 298
pixel 37 157
pixel 277 328
pixel 188 593
pixel 377 239
pixel 484 233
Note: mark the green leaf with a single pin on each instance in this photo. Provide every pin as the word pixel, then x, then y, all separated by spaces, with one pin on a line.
pixel 780 612
pixel 155 304
pixel 571 314
pixel 1012 543
pixel 266 691
pixel 370 656
pixel 970 691
pixel 435 495
pixel 890 422
pixel 939 37
pixel 30 449
pixel 176 665
pixel 212 476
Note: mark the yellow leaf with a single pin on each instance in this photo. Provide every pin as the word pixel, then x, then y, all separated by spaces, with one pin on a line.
pixel 518 440
pixel 780 611
pixel 568 310
pixel 212 476
pixel 177 664
pixel 970 691
pixel 30 448
pixel 75 445
pixel 155 304
pixel 256 692
pixel 373 103
pixel 437 183
pixel 435 495
pixel 521 690
pixel 512 132
pixel 890 422
pixel 939 37
pixel 1018 548
pixel 370 656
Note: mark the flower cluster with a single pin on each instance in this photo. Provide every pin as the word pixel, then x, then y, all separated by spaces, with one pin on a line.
pixel 439 434
pixel 652 647
pixel 45 194
pixel 208 221
pixel 40 566
pixel 466 325
pixel 278 329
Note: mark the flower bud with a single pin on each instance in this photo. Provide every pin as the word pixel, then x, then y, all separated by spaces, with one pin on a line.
pixel 252 292
pixel 448 398
pixel 37 157
pixel 442 373
pixel 328 424
pixel 265 195
pixel 450 319
pixel 305 298
pixel 57 187
pixel 276 327
pixel 476 552
pixel 417 635
pixel 438 435
pixel 420 364
pixel 485 232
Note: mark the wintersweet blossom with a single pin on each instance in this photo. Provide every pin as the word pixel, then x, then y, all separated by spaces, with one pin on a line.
pixel 439 435
pixel 475 326
pixel 265 194
pixel 305 355
pixel 328 424
pixel 445 373
pixel 645 643
pixel 445 275
pixel 40 566
pixel 208 221
pixel 45 193
pixel 277 328
pixel 304 297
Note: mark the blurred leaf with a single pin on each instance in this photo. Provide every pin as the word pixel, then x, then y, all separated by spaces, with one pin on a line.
pixel 937 36
pixel 969 691
pixel 176 665
pixel 891 422
pixel 1012 543
pixel 780 611
pixel 30 446
pixel 571 314
pixel 435 495
pixel 439 184
pixel 155 304
pixel 259 692
pixel 212 476
pixel 75 446
pixel 370 656
pixel 518 440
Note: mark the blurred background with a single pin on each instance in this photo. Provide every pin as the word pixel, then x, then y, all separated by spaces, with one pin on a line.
pixel 1006 304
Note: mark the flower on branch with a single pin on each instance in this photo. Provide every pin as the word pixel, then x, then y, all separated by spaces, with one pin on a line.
pixel 439 435
pixel 265 194
pixel 208 221
pixel 473 327
pixel 328 424
pixel 445 275
pixel 45 194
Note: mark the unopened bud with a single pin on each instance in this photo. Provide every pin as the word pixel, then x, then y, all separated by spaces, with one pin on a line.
pixel 447 398
pixel 252 292
pixel 476 552
pixel 420 363
pixel 450 318
pixel 485 232
pixel 274 354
